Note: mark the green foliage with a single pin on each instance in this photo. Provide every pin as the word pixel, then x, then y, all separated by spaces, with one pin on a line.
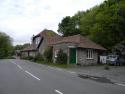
pixel 104 24
pixel 61 57
pixel 6 47
pixel 28 57
pixel 18 47
pixel 48 54
pixel 106 67
pixel 67 26
pixel 38 57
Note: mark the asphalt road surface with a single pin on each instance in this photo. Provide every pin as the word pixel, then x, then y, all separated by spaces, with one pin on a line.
pixel 24 77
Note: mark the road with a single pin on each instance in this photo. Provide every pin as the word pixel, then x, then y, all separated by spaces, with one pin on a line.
pixel 24 77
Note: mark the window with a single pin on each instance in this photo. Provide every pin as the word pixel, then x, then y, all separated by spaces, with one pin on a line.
pixel 89 54
pixel 37 40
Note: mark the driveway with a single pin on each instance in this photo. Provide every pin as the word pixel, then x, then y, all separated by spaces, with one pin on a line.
pixel 115 73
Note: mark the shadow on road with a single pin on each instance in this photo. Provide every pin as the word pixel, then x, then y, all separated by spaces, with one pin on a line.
pixel 95 78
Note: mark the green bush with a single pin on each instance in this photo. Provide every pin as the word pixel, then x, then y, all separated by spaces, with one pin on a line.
pixel 61 57
pixel 38 57
pixel 106 67
pixel 10 57
pixel 48 54
pixel 27 57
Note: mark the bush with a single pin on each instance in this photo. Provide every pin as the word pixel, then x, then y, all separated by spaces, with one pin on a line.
pixel 106 67
pixel 61 57
pixel 28 57
pixel 38 57
pixel 10 57
pixel 48 54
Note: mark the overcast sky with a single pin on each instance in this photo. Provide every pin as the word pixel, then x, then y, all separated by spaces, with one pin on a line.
pixel 22 18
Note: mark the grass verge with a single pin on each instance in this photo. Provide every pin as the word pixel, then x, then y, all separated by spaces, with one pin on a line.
pixel 55 64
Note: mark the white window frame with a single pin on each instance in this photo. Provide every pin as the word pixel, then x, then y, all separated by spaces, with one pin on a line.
pixel 37 40
pixel 89 54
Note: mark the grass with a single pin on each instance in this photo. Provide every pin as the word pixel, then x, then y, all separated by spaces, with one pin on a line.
pixel 55 64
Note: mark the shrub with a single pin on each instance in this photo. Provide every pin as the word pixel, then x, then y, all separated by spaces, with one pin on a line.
pixel 28 57
pixel 10 57
pixel 48 54
pixel 38 57
pixel 106 67
pixel 61 57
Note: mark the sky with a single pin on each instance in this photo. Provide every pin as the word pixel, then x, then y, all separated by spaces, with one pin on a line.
pixel 21 19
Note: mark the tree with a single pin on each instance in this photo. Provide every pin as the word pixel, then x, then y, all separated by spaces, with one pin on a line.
pixel 6 47
pixel 104 24
pixel 18 47
pixel 68 26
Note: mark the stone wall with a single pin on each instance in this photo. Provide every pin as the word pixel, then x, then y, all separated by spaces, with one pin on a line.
pixel 43 46
pixel 82 57
pixel 64 47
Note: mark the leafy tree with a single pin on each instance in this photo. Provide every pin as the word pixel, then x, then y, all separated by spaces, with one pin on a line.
pixel 6 47
pixel 104 24
pixel 68 26
pixel 18 47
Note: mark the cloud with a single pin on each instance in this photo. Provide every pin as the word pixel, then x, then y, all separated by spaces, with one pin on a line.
pixel 22 18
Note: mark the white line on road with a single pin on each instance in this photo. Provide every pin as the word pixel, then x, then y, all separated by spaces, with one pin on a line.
pixel 19 67
pixel 120 84
pixel 57 91
pixel 32 75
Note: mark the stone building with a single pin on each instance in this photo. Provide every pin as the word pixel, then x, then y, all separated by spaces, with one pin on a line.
pixel 79 49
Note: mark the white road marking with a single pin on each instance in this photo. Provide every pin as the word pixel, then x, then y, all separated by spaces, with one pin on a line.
pixel 19 67
pixel 57 91
pixel 32 75
pixel 120 84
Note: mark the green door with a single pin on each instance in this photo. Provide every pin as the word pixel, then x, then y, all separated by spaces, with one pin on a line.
pixel 72 56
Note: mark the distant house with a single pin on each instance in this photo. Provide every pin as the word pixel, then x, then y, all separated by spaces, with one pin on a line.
pixel 42 40
pixel 28 51
pixel 79 49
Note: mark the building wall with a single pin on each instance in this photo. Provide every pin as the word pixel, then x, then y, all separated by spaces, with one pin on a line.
pixel 24 54
pixel 82 57
pixel 28 53
pixel 64 47
pixel 32 53
pixel 81 54
pixel 43 46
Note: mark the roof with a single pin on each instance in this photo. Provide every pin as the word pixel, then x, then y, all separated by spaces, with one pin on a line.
pixel 47 33
pixel 28 48
pixel 82 42
pixel 50 35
